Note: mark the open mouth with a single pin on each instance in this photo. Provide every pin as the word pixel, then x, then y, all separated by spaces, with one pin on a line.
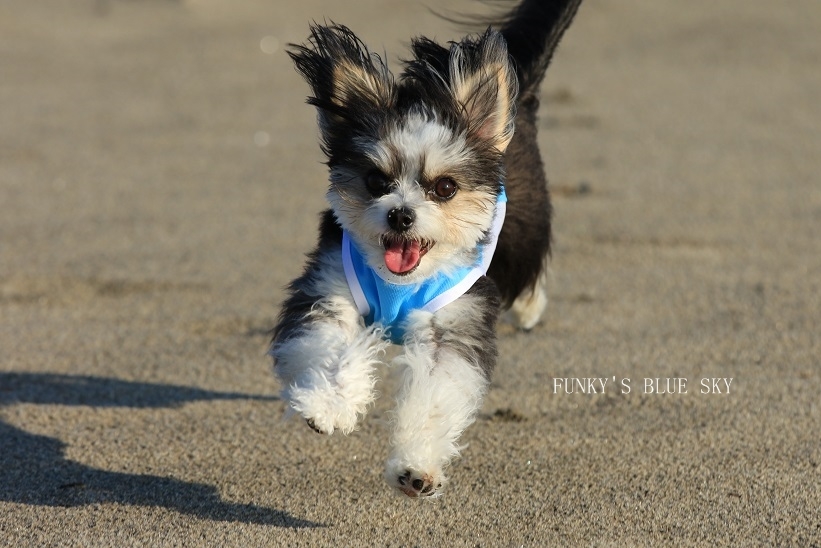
pixel 403 255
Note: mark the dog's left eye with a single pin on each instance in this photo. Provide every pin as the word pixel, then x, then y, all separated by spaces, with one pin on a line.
pixel 445 188
pixel 377 183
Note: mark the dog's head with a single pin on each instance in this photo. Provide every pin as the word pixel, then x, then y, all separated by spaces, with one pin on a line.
pixel 415 163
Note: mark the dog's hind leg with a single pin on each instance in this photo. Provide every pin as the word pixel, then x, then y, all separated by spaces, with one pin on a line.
pixel 529 306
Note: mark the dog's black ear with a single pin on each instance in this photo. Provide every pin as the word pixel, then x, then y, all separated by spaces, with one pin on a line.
pixel 484 86
pixel 347 80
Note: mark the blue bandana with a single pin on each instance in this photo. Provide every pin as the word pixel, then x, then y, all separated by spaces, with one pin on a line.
pixel 389 304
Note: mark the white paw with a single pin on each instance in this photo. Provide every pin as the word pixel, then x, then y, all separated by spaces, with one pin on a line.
pixel 528 307
pixel 330 383
pixel 437 401
pixel 414 482
pixel 326 410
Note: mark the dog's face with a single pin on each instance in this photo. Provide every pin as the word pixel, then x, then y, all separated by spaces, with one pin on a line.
pixel 415 165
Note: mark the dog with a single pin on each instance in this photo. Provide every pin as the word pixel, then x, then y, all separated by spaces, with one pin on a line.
pixel 439 219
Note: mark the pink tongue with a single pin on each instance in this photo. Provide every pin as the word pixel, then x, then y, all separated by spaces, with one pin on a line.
pixel 402 256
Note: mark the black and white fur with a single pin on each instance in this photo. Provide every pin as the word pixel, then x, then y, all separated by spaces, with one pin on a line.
pixel 419 160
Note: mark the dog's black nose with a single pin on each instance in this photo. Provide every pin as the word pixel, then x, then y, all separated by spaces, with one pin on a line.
pixel 401 219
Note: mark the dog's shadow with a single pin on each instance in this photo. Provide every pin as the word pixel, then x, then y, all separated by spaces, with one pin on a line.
pixel 34 470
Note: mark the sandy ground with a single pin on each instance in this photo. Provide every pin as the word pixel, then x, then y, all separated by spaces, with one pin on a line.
pixel 160 181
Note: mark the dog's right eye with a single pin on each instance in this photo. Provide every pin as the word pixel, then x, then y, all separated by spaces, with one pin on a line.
pixel 377 183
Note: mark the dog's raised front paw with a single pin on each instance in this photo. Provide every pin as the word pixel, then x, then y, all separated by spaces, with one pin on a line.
pixel 326 411
pixel 313 426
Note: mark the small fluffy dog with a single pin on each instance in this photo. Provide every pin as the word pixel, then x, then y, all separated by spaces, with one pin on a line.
pixel 439 219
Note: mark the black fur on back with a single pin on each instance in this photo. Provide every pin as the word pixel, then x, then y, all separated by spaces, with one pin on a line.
pixel 532 31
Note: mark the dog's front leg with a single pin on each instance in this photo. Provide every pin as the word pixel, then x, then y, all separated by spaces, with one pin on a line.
pixel 323 354
pixel 445 370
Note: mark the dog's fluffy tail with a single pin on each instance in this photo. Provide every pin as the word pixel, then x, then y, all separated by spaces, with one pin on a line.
pixel 532 31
